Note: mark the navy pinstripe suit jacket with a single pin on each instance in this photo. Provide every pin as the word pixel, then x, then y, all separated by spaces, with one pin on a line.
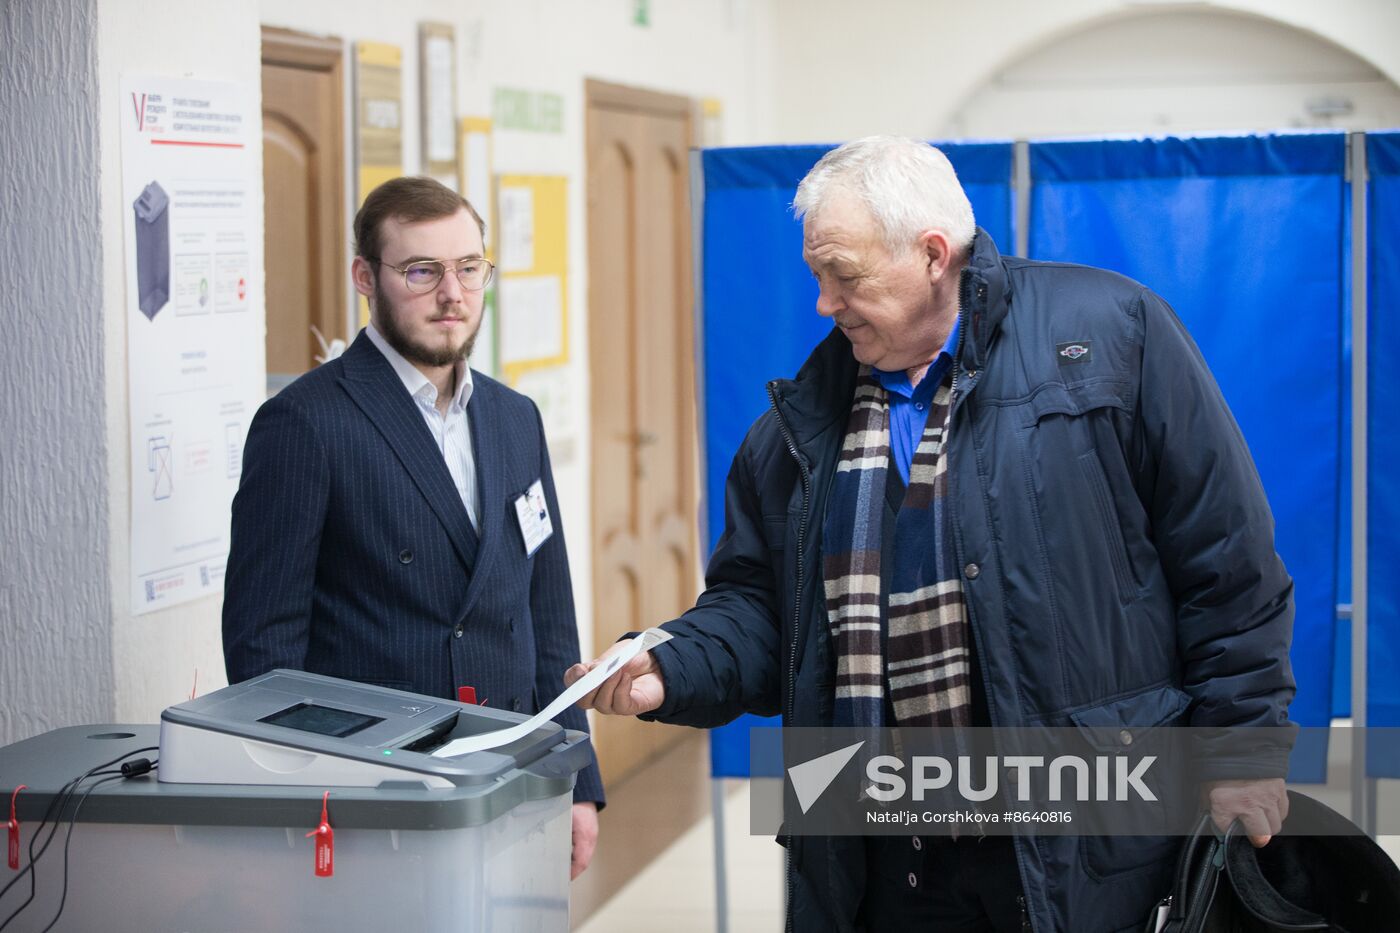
pixel 352 554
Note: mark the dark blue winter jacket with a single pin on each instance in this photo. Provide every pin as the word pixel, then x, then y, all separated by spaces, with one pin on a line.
pixel 1117 552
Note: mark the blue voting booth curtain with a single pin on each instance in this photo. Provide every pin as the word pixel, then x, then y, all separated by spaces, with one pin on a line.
pixel 1383 450
pixel 1341 640
pixel 1244 237
pixel 759 317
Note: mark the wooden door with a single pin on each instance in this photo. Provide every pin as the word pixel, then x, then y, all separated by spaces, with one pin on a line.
pixel 303 199
pixel 642 371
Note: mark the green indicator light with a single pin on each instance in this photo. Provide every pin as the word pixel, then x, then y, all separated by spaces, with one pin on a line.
pixel 388 751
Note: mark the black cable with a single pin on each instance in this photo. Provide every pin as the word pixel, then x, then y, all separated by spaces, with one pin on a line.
pixel 55 809
pixel 63 898
pixel 59 801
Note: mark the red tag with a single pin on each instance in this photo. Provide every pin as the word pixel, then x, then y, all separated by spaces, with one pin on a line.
pixel 14 831
pixel 466 695
pixel 325 843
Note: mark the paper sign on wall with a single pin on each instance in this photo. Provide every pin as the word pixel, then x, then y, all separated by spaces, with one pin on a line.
pixel 474 172
pixel 378 122
pixel 438 97
pixel 533 289
pixel 192 228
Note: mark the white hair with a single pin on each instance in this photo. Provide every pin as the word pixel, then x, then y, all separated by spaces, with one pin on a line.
pixel 908 185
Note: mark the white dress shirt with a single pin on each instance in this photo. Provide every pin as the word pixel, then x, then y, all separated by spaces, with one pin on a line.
pixel 451 432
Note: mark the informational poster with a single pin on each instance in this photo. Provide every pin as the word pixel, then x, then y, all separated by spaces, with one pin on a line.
pixel 474 181
pixel 475 171
pixel 536 307
pixel 194 320
pixel 533 287
pixel 378 114
pixel 378 123
pixel 551 390
pixel 517 228
pixel 438 97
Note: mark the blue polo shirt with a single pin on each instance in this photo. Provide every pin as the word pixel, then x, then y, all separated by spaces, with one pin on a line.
pixel 909 404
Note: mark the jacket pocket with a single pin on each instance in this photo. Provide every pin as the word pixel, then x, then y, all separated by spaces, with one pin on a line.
pixel 1111 726
pixel 1054 399
pixel 1111 729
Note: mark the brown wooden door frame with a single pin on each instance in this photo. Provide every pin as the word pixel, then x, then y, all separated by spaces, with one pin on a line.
pixel 624 97
pixel 290 49
pixel 600 98
pixel 641 820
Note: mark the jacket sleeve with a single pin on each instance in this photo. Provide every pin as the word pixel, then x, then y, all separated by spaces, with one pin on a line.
pixel 555 624
pixel 1214 533
pixel 275 537
pixel 723 660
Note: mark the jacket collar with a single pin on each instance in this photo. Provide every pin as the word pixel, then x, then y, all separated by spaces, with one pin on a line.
pixel 412 377
pixel 376 389
pixel 820 393
pixel 986 299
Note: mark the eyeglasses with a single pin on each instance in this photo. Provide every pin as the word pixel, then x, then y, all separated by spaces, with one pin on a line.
pixel 425 274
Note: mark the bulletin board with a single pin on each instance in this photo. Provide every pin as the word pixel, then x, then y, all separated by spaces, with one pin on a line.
pixel 378 115
pixel 475 169
pixel 531 251
pixel 437 97
pixel 378 123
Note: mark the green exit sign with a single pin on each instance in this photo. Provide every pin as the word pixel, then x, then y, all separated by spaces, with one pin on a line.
pixel 533 111
pixel 641 12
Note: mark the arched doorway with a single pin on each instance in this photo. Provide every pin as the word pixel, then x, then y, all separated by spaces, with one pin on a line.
pixel 1178 72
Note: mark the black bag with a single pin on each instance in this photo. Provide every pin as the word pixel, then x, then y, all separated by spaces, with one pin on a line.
pixel 1340 882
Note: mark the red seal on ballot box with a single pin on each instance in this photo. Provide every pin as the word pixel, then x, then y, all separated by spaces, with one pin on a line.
pixel 325 843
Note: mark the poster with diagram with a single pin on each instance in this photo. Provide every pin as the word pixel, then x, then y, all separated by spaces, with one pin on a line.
pixel 192 215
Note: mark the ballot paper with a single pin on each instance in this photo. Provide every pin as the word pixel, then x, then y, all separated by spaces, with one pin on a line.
pixel 478 743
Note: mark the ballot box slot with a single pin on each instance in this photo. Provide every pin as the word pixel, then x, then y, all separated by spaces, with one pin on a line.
pixel 434 738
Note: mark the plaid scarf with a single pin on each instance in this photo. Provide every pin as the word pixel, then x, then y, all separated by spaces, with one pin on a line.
pixel 922 654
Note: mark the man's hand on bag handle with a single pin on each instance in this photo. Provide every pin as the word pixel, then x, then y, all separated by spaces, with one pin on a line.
pixel 635 689
pixel 1260 805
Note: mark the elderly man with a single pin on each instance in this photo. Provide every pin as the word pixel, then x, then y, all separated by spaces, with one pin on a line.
pixel 1001 492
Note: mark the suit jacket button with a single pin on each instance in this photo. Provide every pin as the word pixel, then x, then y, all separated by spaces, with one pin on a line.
pixel 515 705
pixel 405 556
pixel 457 632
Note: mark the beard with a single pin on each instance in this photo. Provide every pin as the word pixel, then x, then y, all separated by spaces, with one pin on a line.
pixel 387 322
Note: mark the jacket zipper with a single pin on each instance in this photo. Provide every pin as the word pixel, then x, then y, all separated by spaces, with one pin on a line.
pixel 1028 922
pixel 797 599
pixel 801 540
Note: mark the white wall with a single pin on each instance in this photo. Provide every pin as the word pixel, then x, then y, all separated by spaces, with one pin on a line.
pixel 155 656
pixel 910 66
pixel 55 650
